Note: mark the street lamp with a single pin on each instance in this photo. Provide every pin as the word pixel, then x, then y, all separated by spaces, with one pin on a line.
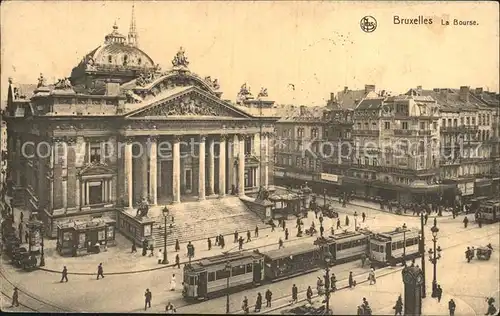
pixel 228 270
pixel 165 216
pixel 42 255
pixel 328 258
pixel 324 198
pixel 434 255
pixel 355 220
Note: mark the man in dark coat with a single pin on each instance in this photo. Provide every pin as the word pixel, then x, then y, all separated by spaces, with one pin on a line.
pixel 286 234
pixel 363 215
pixel 209 243
pixel 249 236
pixel 351 280
pixel 235 236
pixel 256 233
pixel 258 303
pixel 338 224
pixel 177 246
pixel 240 243
pixel 100 271
pixel 148 296
pixel 177 261
pixel 15 298
pixel 398 308
pixel 269 297
pixel 451 307
pixel 64 274
pixel 295 293
pixel 466 222
pixel 309 294
pixel 439 293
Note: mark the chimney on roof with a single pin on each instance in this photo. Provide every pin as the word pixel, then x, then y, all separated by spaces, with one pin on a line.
pixel 464 93
pixel 346 89
pixel 332 96
pixel 479 90
pixel 419 90
pixel 369 88
pixel 302 110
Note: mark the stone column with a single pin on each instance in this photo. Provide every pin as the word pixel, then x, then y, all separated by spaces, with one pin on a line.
pixel 265 180
pixel 201 169
pixel 78 190
pixel 128 172
pixel 18 160
pixel 64 163
pixel 153 196
pixel 176 171
pixel 211 166
pixel 222 166
pixel 144 170
pixel 241 165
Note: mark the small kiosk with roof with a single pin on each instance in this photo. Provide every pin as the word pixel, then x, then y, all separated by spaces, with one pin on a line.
pixel 78 238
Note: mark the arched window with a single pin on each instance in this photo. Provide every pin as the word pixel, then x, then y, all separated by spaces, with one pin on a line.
pixel 139 60
pixel 110 59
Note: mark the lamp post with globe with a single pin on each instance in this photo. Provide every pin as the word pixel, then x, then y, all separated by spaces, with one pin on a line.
pixel 434 256
pixel 165 216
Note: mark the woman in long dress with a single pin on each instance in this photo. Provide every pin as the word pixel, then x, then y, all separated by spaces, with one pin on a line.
pixel 172 283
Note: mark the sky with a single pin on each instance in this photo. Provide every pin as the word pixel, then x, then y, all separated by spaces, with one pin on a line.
pixel 318 47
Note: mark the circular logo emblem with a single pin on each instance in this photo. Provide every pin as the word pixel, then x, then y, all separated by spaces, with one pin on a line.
pixel 368 24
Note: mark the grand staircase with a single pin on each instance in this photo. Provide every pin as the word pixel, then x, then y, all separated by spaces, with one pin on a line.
pixel 202 219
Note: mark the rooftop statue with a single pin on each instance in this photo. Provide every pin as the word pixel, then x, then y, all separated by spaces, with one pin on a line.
pixel 63 84
pixel 180 59
pixel 41 81
pixel 262 93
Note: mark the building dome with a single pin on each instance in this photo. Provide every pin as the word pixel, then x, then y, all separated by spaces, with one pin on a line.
pixel 117 52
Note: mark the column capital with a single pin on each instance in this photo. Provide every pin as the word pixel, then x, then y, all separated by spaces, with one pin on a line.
pixel 71 140
pixel 176 139
pixel 202 138
pixel 242 136
pixel 223 137
pixel 153 138
pixel 129 140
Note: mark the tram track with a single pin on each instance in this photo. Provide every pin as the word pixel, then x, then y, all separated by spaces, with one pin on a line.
pixel 27 299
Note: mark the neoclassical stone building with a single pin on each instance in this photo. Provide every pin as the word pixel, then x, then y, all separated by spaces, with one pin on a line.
pixel 119 130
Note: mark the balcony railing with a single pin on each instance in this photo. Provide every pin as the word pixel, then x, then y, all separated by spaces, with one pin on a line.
pixel 460 129
pixel 365 133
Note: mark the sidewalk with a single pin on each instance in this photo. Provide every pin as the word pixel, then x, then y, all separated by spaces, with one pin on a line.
pixel 120 260
pixel 360 203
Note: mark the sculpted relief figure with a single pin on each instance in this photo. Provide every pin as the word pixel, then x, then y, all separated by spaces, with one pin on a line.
pixel 180 60
pixel 63 84
pixel 262 93
pixel 41 81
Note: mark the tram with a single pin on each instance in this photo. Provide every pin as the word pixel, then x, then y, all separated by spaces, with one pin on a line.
pixel 489 211
pixel 394 247
pixel 211 277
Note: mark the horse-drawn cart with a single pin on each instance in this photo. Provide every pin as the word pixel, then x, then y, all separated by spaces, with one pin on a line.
pixel 484 253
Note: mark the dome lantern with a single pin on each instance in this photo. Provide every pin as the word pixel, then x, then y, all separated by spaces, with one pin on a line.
pixel 115 37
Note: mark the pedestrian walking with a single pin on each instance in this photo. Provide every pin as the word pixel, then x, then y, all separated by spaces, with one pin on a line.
pixel 26 236
pixel 177 261
pixel 256 233
pixel 321 230
pixel 100 271
pixel 177 247
pixel 371 277
pixel 295 293
pixel 258 303
pixel 363 215
pixel 338 224
pixel 467 254
pixel 332 231
pixel 286 234
pixel 367 310
pixel 144 247
pixel 159 256
pixel 240 243
pixel 217 240
pixel 398 308
pixel 249 236
pixel 352 282
pixel 269 297
pixel 15 298
pixel 439 293
pixel 273 225
pixel 172 283
pixel 147 299
pixel 209 243
pixel 64 274
pixel 360 310
pixel 151 250
pixel 309 294
pixel 280 244
pixel 244 306
pixel 426 217
pixel 22 216
pixel 333 282
pixel 451 307
pixel 363 259
pixel 235 236
pixel 492 310
pixel 134 248
pixel 222 241
pixel 466 222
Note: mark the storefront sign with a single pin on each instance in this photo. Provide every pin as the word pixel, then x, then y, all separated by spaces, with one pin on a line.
pixel 299 176
pixel 466 188
pixel 329 177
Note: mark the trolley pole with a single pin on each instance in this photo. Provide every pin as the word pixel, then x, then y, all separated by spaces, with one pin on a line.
pixel 422 251
pixel 228 270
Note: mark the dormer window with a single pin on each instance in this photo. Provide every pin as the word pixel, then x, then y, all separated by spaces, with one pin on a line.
pixel 110 59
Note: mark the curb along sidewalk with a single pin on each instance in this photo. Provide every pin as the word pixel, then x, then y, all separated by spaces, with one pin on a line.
pixel 342 284
pixel 358 203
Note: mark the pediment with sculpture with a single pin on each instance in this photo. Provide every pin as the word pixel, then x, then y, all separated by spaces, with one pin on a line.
pixel 192 103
